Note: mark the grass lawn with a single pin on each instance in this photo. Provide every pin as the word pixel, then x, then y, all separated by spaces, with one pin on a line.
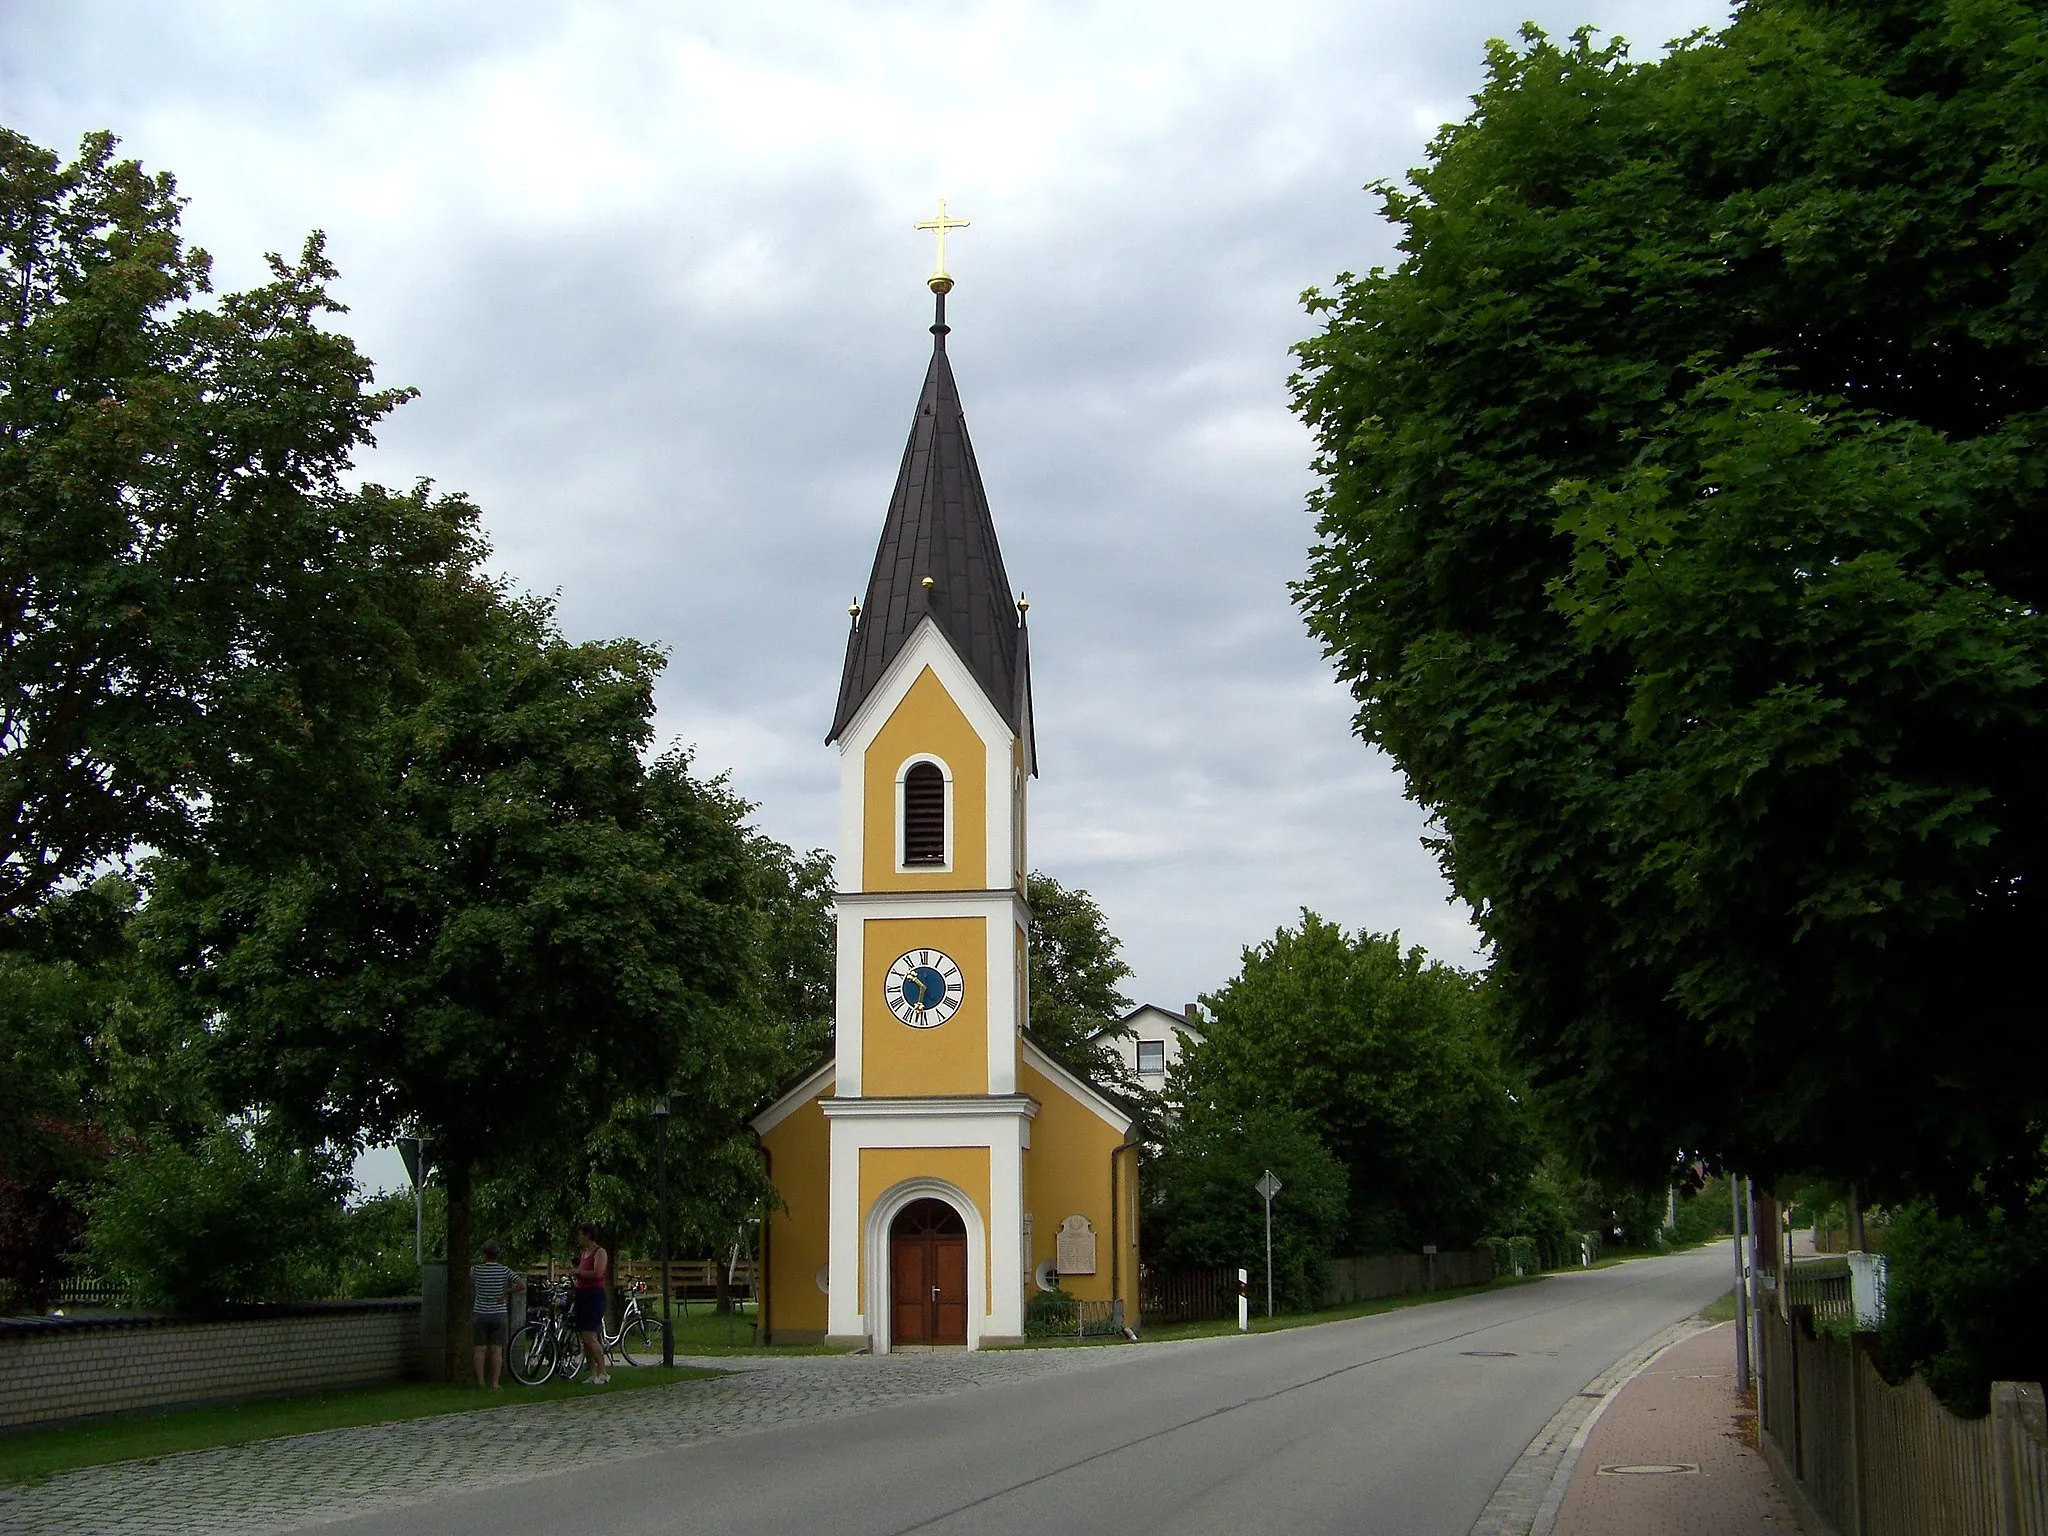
pixel 704 1332
pixel 1218 1327
pixel 1721 1311
pixel 30 1455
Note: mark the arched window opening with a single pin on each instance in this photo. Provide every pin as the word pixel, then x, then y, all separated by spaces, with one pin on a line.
pixel 928 1218
pixel 924 815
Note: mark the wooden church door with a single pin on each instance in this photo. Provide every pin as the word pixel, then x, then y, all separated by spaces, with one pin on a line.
pixel 928 1275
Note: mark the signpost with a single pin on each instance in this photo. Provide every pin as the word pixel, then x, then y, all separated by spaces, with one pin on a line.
pixel 1268 1187
pixel 413 1150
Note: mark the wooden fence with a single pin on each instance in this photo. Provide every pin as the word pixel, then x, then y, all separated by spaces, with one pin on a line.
pixel 1821 1287
pixel 1186 1295
pixel 690 1280
pixel 1877 1460
pixel 1402 1274
pixel 1201 1295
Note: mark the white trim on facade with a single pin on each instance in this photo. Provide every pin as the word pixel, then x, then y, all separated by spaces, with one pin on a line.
pixel 1103 1110
pixel 1003 1128
pixel 927 647
pixel 925 1107
pixel 847 1002
pixel 813 1085
pixel 887 1207
pixel 937 903
pixel 1002 913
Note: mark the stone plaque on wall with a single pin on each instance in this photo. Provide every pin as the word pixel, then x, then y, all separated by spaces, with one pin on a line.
pixel 1076 1247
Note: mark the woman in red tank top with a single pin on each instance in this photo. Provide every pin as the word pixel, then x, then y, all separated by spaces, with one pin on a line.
pixel 593 1266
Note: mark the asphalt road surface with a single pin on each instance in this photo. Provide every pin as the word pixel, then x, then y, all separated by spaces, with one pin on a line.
pixel 1400 1424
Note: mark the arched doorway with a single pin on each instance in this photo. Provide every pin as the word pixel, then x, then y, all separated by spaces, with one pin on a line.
pixel 928 1275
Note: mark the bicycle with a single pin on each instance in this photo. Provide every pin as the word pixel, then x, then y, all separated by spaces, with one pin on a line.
pixel 638 1341
pixel 537 1350
pixel 549 1345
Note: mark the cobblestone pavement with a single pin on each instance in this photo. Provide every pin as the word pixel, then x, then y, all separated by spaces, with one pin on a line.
pixel 311 1480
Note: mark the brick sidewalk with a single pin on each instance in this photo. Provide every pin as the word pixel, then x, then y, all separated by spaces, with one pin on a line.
pixel 1675 1455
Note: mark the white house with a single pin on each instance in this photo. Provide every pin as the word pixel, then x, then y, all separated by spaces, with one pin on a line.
pixel 1153 1039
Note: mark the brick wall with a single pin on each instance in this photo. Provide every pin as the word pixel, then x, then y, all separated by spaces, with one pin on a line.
pixel 68 1368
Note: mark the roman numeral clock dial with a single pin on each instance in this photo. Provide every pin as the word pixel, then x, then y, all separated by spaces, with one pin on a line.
pixel 925 988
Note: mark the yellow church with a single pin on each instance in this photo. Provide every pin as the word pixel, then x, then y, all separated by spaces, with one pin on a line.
pixel 939 1168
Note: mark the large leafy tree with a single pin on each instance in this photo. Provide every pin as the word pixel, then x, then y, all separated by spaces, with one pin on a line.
pixel 1203 1206
pixel 1077 977
pixel 89 1065
pixel 1392 1059
pixel 528 925
pixel 1681 539
pixel 716 1179
pixel 196 614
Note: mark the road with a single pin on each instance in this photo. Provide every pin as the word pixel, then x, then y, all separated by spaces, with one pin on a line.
pixel 1400 1424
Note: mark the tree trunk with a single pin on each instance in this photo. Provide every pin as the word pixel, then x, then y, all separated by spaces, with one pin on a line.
pixel 455 1173
pixel 721 1263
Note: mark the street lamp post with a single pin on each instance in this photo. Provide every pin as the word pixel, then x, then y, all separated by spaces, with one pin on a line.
pixel 668 1334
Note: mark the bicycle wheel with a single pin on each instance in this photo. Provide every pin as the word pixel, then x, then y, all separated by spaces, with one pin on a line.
pixel 531 1355
pixel 640 1340
pixel 569 1361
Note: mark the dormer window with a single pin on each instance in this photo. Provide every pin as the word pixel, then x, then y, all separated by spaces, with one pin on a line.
pixel 1151 1058
pixel 924 817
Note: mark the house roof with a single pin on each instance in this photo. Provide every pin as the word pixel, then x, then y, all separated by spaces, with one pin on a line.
pixel 794 1094
pixel 1172 1018
pixel 939 531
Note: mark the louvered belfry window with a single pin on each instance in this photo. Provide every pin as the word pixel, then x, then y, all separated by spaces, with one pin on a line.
pixel 924 815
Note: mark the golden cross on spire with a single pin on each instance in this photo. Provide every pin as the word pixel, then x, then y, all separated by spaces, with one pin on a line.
pixel 940 281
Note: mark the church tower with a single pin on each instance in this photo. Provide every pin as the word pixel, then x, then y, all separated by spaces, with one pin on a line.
pixel 928 1111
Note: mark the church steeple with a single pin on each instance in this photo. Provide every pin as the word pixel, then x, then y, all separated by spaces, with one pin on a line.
pixel 938 557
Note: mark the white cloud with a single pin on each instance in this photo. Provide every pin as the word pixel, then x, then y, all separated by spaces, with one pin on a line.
pixel 651 265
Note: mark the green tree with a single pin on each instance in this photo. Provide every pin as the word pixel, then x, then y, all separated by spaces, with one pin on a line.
pixel 798 968
pixel 196 615
pixel 235 1218
pixel 88 1063
pixel 1203 1207
pixel 528 926
pixel 1077 975
pixel 1392 1059
pixel 1677 540
pixel 716 1180
pixel 1963 1303
pixel 374 1255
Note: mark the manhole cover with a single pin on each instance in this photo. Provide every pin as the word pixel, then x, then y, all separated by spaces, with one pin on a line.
pixel 1652 1469
pixel 1489 1354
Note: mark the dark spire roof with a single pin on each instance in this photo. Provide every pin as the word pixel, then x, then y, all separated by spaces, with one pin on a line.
pixel 939 529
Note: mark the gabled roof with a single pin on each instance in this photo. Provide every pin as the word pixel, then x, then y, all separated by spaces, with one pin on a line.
pixel 1115 1109
pixel 799 1091
pixel 1171 1018
pixel 939 528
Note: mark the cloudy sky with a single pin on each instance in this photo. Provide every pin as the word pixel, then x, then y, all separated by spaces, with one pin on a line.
pixel 651 266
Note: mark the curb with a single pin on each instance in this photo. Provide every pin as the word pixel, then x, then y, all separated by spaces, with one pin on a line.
pixel 1527 1501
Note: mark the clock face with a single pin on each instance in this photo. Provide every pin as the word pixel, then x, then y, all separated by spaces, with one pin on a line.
pixel 925 988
